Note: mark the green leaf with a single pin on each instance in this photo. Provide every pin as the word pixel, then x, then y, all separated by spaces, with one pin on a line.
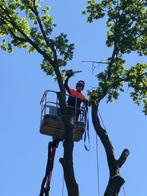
pixel 31 49
pixel 10 49
pixel 3 45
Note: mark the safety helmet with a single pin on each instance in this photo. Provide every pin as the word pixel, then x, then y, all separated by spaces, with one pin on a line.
pixel 80 82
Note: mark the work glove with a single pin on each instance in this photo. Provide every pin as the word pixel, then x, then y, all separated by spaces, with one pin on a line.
pixel 69 73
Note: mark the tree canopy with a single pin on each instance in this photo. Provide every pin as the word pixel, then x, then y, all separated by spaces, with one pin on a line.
pixel 28 24
pixel 126 23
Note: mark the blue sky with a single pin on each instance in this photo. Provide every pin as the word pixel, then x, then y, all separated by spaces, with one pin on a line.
pixel 23 149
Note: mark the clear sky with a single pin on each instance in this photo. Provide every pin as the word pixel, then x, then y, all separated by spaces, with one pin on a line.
pixel 23 150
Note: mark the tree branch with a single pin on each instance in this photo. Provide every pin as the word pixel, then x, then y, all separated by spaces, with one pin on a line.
pixel 16 37
pixel 115 180
pixel 123 157
pixel 11 21
pixel 35 12
pixel 49 44
pixel 104 139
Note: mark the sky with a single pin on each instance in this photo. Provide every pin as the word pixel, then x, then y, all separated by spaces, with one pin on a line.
pixel 23 150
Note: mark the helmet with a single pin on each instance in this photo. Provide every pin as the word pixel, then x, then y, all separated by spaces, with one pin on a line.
pixel 81 82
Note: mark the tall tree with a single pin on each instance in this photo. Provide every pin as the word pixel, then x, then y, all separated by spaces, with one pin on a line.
pixel 126 23
pixel 24 24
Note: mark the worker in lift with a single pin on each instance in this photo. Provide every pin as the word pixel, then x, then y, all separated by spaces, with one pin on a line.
pixel 74 101
pixel 76 97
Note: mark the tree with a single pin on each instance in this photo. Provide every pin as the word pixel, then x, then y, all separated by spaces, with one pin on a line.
pixel 126 33
pixel 29 26
pixel 35 34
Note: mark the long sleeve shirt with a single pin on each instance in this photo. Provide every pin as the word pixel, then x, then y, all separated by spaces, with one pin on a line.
pixel 75 97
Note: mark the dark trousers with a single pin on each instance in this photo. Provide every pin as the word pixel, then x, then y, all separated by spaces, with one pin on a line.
pixel 74 112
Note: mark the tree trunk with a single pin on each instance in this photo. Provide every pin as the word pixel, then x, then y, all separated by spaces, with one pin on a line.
pixel 115 180
pixel 68 144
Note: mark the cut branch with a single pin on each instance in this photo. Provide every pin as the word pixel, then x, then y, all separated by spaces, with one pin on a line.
pixel 123 157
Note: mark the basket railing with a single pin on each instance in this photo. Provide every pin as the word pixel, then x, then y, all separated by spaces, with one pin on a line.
pixel 47 105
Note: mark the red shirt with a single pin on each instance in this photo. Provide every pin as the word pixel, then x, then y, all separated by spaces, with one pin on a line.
pixel 75 94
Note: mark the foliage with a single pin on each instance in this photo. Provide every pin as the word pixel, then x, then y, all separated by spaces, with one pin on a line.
pixel 25 24
pixel 126 23
pixel 137 80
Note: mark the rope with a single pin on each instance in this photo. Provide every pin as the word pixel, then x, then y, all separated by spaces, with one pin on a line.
pixel 63 186
pixel 86 134
pixel 97 165
pixel 101 120
pixel 124 191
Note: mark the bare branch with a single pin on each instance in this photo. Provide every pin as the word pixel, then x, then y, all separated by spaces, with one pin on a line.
pixel 104 138
pixel 123 157
pixel 115 180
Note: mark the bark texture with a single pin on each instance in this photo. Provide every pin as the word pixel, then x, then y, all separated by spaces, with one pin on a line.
pixel 115 180
pixel 68 144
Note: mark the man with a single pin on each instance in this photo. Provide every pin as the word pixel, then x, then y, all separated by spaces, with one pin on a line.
pixel 76 97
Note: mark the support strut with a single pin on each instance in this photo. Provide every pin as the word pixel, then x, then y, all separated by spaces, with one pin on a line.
pixel 45 185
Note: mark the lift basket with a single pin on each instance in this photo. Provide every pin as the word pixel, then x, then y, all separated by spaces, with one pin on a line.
pixel 51 123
